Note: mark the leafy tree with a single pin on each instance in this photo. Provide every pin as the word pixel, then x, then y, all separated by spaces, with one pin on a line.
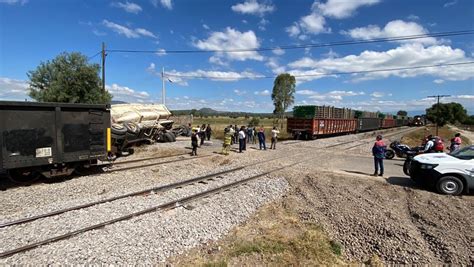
pixel 254 122
pixel 381 116
pixel 402 113
pixel 67 78
pixel 358 114
pixel 443 113
pixel 283 94
pixel 469 120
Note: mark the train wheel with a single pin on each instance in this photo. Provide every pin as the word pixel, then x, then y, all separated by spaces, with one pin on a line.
pixel 23 176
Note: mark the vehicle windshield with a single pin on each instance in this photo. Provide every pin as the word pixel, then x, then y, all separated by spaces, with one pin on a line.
pixel 464 153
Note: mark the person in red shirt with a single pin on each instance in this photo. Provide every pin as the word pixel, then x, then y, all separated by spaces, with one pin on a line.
pixel 378 151
pixel 455 142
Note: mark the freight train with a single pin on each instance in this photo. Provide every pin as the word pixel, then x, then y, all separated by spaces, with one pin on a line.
pixel 55 139
pixel 309 125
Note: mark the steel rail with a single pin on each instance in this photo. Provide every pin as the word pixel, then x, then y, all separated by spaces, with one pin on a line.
pixel 149 158
pixel 141 192
pixel 166 206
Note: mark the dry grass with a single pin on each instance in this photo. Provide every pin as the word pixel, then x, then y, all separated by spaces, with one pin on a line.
pixel 415 138
pixel 275 237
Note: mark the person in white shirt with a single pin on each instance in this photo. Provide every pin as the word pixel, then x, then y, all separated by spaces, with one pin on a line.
pixel 242 140
pixel 429 146
pixel 275 133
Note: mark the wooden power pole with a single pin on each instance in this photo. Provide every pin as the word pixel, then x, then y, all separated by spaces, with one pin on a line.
pixel 437 108
pixel 103 65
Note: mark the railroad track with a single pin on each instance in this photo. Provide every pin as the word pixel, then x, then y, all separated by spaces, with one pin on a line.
pixel 163 207
pixel 169 205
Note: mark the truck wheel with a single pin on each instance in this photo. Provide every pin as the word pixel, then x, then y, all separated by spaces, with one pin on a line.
pixel 167 137
pixel 132 127
pixel 449 185
pixel 118 129
pixel 389 154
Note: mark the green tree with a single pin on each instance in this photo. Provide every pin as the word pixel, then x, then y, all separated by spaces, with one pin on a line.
pixel 381 116
pixel 443 114
pixel 402 113
pixel 283 94
pixel 358 114
pixel 67 78
pixel 254 122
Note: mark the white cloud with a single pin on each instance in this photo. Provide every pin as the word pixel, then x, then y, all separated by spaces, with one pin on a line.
pixel 404 56
pixel 336 95
pixel 13 2
pixel 452 3
pixel 232 39
pixel 262 93
pixel 181 78
pixel 252 7
pixel 128 32
pixel 161 52
pixel 413 17
pixel 124 93
pixel 340 9
pixel 278 51
pixel 377 94
pixel 240 92
pixel 262 24
pixel 394 28
pixel 128 7
pixel 439 81
pixel 165 3
pixel 315 22
pixel 205 26
pixel 12 89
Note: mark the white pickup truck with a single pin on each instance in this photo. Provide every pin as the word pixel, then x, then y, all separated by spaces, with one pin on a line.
pixel 450 174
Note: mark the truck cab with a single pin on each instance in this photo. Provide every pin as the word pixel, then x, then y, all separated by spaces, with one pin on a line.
pixel 450 174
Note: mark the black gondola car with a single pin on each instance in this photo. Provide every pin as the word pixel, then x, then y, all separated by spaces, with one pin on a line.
pixel 51 139
pixel 368 124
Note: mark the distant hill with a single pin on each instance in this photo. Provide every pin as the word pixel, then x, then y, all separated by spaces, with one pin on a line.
pixel 213 112
pixel 209 111
pixel 113 102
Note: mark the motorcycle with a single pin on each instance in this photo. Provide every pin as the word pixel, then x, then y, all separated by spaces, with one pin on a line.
pixel 400 150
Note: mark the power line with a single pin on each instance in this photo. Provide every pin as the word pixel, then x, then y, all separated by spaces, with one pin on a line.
pixel 96 54
pixel 316 75
pixel 311 45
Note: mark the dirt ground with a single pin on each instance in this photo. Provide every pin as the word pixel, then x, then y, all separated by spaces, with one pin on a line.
pixel 336 213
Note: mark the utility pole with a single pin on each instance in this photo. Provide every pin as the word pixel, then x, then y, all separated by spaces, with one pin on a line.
pixel 103 66
pixel 163 90
pixel 437 108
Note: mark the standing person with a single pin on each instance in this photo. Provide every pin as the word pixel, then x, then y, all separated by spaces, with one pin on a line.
pixel 208 132
pixel 236 134
pixel 249 134
pixel 275 133
pixel 378 151
pixel 455 143
pixel 255 135
pixel 202 134
pixel 194 142
pixel 241 139
pixel 261 138
pixel 429 145
pixel 228 134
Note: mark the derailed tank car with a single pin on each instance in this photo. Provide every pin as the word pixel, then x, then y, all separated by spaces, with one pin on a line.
pixel 51 139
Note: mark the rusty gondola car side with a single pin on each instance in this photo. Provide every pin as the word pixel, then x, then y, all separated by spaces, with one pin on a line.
pixel 302 128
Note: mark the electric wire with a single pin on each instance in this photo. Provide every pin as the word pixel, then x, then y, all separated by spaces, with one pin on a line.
pixel 316 74
pixel 303 46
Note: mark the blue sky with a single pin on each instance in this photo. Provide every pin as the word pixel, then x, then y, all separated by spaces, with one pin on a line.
pixel 34 31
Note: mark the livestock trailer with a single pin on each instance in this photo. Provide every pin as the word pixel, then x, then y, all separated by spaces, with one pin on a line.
pixel 302 128
pixel 51 139
pixel 368 124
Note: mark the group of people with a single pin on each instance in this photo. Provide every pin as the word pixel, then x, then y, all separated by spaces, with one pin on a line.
pixel 233 135
pixel 198 135
pixel 244 135
pixel 431 144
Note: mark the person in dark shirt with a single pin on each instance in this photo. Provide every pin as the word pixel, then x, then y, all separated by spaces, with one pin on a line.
pixel 194 142
pixel 378 151
pixel 208 132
